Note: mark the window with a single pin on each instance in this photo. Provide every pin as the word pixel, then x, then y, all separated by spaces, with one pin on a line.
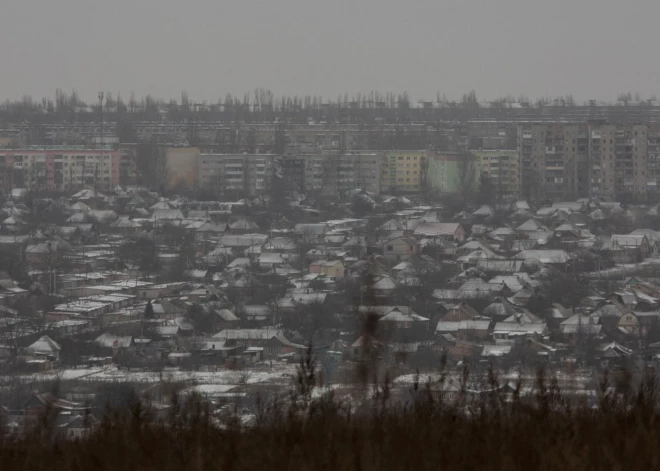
pixel 390 248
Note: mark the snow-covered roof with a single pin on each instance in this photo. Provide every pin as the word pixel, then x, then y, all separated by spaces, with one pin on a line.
pixel 44 346
pixel 518 328
pixel 436 229
pixel 113 341
pixel 530 225
pixel 545 256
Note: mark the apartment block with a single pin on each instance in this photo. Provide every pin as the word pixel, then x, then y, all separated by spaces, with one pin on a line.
pixel 564 161
pixel 501 167
pixel 59 168
pixel 618 160
pixel 333 174
pixel 128 164
pixel 548 161
pixel 403 171
pixel 248 173
pixel 442 174
pixel 653 159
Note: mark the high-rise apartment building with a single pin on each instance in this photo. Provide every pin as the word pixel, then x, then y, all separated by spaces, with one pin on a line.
pixel 59 168
pixel 333 174
pixel 403 171
pixel 552 161
pixel 565 161
pixel 248 173
pixel 653 158
pixel 617 160
pixel 501 167
pixel 443 172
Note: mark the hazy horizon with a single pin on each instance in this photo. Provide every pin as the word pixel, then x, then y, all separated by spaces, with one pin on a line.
pixel 587 49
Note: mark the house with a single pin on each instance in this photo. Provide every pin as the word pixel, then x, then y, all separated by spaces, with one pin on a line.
pixel 637 243
pixel 242 241
pixel 166 215
pixel 114 343
pixel 225 319
pixel 167 332
pixel 629 323
pixel 164 309
pixel 126 226
pixel 102 216
pixel 401 248
pixel 310 231
pixel 365 346
pixel 74 426
pixel 45 347
pixel 460 312
pixel 578 327
pixel 499 309
pixel 398 319
pixel 612 354
pixel 38 403
pixel 507 332
pixel 8 287
pixel 243 226
pixel 466 330
pixel 210 230
pixel 549 257
pixel 46 253
pixel 270 260
pixel 280 245
pixel 531 225
pixel 652 236
pixel 273 341
pixel 280 345
pixel 330 268
pixel 446 230
pixel 484 211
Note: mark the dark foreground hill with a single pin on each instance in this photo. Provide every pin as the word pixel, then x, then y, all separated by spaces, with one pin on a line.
pixel 496 432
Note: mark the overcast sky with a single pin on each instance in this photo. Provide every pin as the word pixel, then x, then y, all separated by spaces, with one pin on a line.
pixel 592 49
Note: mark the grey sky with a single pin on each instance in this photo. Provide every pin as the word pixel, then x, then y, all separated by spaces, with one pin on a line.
pixel 588 48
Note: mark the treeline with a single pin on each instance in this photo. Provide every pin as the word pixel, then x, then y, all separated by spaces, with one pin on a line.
pixel 496 432
pixel 262 105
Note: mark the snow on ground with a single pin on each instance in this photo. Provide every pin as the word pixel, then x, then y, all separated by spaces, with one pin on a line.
pixel 422 378
pixel 211 389
pixel 280 373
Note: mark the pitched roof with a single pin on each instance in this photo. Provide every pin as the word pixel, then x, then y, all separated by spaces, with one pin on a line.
pixel 247 334
pixel 44 345
pixel 500 308
pixel 629 240
pixel 455 326
pixel 164 214
pixel 513 328
pixel 226 315
pixel 243 225
pixel 544 256
pixel 530 225
pixel 436 228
